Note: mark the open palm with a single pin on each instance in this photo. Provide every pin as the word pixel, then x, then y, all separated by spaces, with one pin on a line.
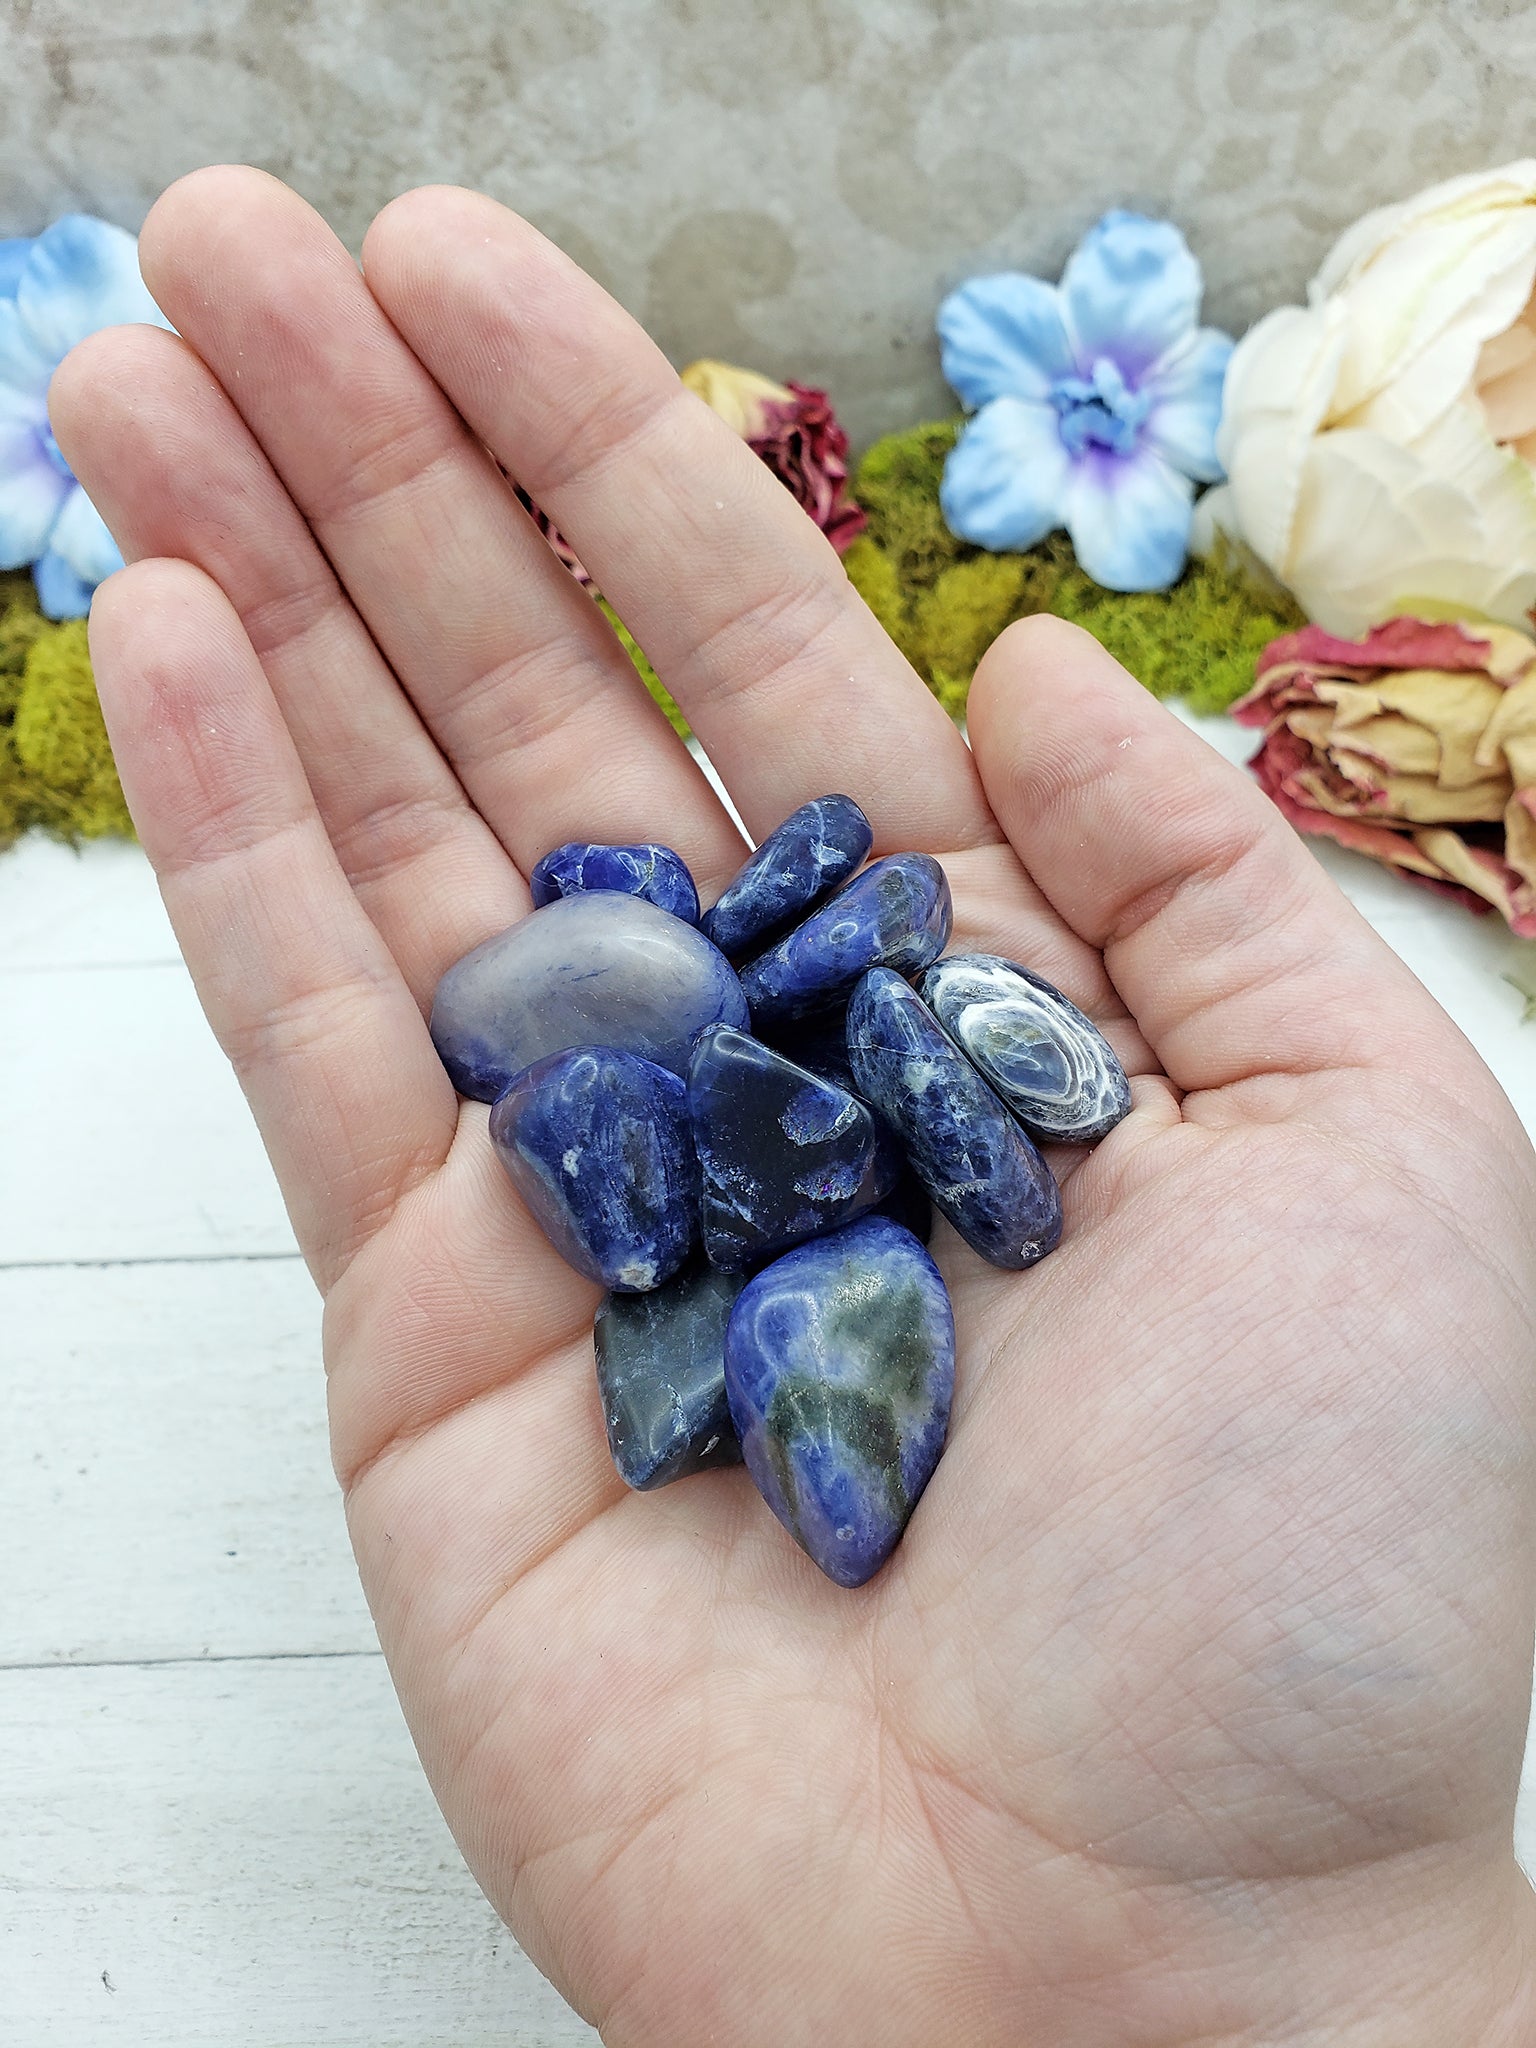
pixel 1191 1708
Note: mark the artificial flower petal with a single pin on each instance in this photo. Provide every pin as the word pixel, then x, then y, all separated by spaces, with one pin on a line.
pixel 25 365
pixel 82 274
pixel 13 254
pixel 1130 291
pixel 82 538
pixel 1129 519
pixel 1185 388
pixel 31 496
pixel 60 592
pixel 1003 336
pixel 739 396
pixel 1004 482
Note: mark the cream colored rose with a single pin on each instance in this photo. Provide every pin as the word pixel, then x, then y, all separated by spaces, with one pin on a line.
pixel 1379 441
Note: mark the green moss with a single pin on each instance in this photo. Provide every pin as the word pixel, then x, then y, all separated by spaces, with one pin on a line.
pixel 56 766
pixel 643 668
pixel 944 602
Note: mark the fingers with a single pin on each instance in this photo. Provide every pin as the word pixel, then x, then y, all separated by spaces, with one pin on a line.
pixel 511 666
pixel 329 1046
pixel 177 474
pixel 1230 946
pixel 735 596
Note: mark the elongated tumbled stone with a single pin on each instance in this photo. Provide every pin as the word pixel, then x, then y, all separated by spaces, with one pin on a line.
pixel 815 849
pixel 840 1367
pixel 1052 1066
pixel 783 1154
pixel 896 914
pixel 596 1142
pixel 654 873
pixel 970 1154
pixel 594 969
pixel 661 1377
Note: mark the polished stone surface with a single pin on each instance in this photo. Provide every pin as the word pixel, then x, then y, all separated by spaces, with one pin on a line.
pixel 654 873
pixel 1052 1066
pixel 840 1367
pixel 596 1142
pixel 799 863
pixel 585 970
pixel 896 914
pixel 970 1154
pixel 783 1154
pixel 661 1377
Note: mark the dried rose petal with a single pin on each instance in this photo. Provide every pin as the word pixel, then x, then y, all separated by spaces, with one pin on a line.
pixel 1415 744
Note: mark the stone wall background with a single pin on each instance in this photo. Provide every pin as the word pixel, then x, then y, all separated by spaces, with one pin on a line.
pixel 788 183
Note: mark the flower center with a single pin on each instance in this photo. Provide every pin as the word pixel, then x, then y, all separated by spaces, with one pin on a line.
pixel 1101 411
pixel 52 450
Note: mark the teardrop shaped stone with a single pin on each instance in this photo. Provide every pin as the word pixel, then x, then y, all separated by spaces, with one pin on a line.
pixel 661 1377
pixel 654 873
pixel 783 1154
pixel 597 969
pixel 840 1368
pixel 896 914
pixel 970 1154
pixel 802 860
pixel 1053 1066
pixel 596 1143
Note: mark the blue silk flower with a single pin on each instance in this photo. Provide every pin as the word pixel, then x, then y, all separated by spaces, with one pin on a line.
pixel 1096 403
pixel 56 288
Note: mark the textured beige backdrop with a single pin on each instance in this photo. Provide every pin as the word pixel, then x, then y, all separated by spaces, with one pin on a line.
pixel 790 183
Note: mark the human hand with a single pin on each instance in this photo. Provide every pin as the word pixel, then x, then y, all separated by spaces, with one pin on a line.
pixel 1190 1709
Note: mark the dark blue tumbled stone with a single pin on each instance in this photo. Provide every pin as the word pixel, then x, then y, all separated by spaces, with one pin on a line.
pixel 1053 1066
pixel 970 1154
pixel 840 1366
pixel 896 914
pixel 596 969
pixel 654 873
pixel 661 1377
pixel 814 849
pixel 783 1155
pixel 908 1202
pixel 596 1143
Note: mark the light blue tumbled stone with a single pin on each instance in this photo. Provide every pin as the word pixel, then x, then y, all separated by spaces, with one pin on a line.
pixel 597 969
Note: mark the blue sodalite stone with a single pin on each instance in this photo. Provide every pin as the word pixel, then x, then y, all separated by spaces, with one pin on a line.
pixel 783 1155
pixel 975 1161
pixel 814 849
pixel 596 1143
pixel 594 969
pixel 1052 1066
pixel 896 914
pixel 654 873
pixel 840 1366
pixel 661 1377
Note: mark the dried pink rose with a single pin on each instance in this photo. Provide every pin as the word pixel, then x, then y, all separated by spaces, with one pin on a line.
pixel 1415 744
pixel 792 428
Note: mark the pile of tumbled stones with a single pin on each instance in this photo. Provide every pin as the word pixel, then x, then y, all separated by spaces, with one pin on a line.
pixel 743 1154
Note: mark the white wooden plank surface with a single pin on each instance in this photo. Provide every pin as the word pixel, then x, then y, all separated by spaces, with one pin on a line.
pixel 244 1855
pixel 122 1132
pixel 97 907
pixel 165 1485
